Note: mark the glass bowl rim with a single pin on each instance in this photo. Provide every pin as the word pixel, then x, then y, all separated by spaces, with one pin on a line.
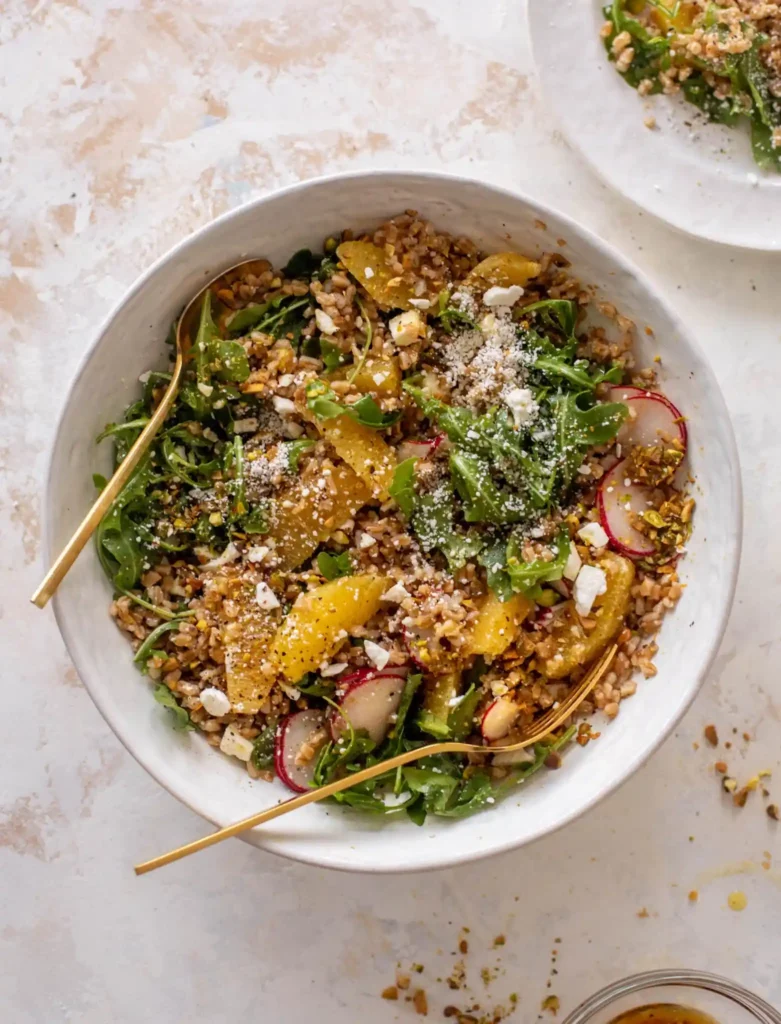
pixel 763 1012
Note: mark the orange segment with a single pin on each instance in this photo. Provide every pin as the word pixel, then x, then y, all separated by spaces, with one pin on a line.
pixel 503 269
pixel 381 282
pixel 497 624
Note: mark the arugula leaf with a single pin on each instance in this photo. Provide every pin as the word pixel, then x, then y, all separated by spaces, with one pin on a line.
pixel 484 501
pixel 652 53
pixel 461 720
pixel 262 755
pixel 428 722
pixel 578 430
pixel 432 518
pixel 332 355
pixel 303 263
pixel 99 481
pixel 214 356
pixel 147 648
pixel 402 488
pixel 697 91
pixel 559 314
pixel 393 745
pixel 245 518
pixel 577 373
pixel 323 402
pixel 494 559
pixel 278 317
pixel 334 566
pixel 295 449
pixel 180 720
pixel 450 317
pixel 525 577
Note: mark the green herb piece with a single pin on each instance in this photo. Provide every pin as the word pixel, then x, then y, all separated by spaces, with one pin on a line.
pixel 557 314
pixel 332 355
pixel 99 481
pixel 147 648
pixel 334 566
pixel 461 720
pixel 484 501
pixel 323 402
pixel 494 559
pixel 180 720
pixel 294 450
pixel 428 722
pixel 450 317
pixel 214 356
pixel 366 345
pixel 278 317
pixel 393 744
pixel 526 577
pixel 262 755
pixel 578 430
pixel 402 488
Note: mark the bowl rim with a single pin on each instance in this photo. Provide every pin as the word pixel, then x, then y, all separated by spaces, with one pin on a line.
pixel 731 552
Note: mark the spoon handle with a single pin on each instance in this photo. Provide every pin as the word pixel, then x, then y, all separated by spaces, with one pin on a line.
pixel 122 474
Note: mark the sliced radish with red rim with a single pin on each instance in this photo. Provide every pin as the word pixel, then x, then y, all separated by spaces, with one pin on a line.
pixel 419 449
pixel 294 731
pixel 617 501
pixel 652 417
pixel 370 704
pixel 498 718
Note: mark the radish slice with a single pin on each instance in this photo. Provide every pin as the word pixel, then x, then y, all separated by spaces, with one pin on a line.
pixel 651 416
pixel 294 731
pixel 616 500
pixel 362 674
pixel 419 449
pixel 511 757
pixel 498 719
pixel 370 704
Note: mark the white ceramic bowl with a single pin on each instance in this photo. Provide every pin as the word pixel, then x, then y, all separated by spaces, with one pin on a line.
pixel 131 341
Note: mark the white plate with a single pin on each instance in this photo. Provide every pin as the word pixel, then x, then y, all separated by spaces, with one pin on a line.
pixel 697 176
pixel 132 340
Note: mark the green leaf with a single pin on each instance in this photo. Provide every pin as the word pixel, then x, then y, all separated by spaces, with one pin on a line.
pixel 294 450
pixel 484 501
pixel 99 481
pixel 332 355
pixel 323 402
pixel 262 755
pixel 461 720
pixel 450 317
pixel 432 518
pixel 148 647
pixel 494 560
pixel 560 314
pixel 697 91
pixel 215 357
pixel 526 576
pixel 303 263
pixel 402 488
pixel 393 744
pixel 180 720
pixel 428 722
pixel 334 566
pixel 578 430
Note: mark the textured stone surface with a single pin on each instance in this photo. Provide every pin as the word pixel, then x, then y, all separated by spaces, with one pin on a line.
pixel 124 127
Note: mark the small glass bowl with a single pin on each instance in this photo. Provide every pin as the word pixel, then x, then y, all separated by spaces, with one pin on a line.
pixel 725 1001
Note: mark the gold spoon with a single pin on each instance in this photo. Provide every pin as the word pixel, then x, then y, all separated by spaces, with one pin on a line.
pixel 123 472
pixel 540 728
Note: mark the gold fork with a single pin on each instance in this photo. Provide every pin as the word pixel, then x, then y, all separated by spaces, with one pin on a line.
pixel 540 728
pixel 123 472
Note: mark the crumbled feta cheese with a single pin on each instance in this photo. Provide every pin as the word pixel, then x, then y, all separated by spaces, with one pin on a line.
pixel 497 296
pixel 284 406
pixel 246 426
pixel 235 745
pixel 209 434
pixel 573 564
pixel 324 322
pixel 420 303
pixel 520 402
pixel 265 597
pixel 144 376
pixel 286 380
pixel 407 328
pixel 333 669
pixel 205 389
pixel 397 593
pixel 752 179
pixel 593 534
pixel 257 553
pixel 366 541
pixel 230 554
pixel 590 583
pixel 368 273
pixel 215 701
pixel 377 655
pixel 378 378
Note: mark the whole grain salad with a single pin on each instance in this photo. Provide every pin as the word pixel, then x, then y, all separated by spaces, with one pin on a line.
pixel 407 491
pixel 724 56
